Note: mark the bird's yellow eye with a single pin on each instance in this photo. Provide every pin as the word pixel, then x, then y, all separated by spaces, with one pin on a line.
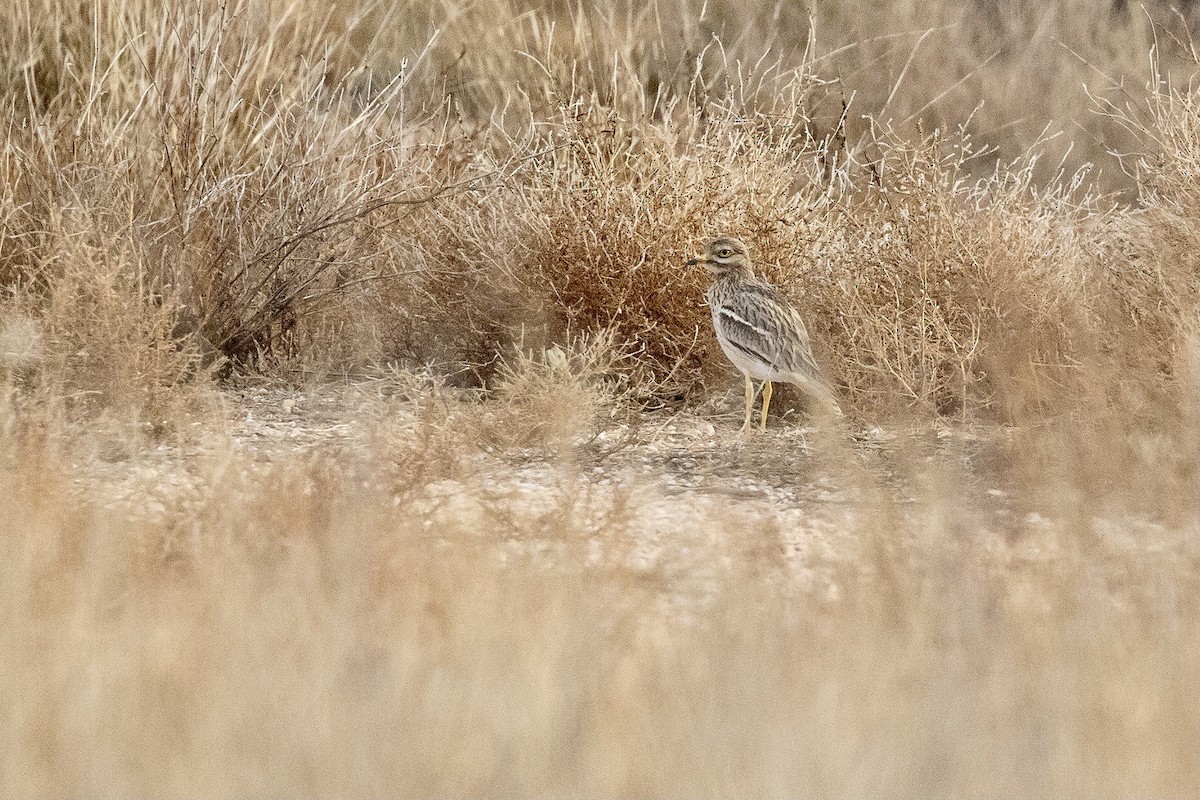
pixel 724 252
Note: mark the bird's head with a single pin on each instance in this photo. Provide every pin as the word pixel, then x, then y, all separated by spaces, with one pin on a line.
pixel 724 255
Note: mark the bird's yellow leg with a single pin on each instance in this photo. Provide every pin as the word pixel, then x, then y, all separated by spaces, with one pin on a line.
pixel 762 425
pixel 749 405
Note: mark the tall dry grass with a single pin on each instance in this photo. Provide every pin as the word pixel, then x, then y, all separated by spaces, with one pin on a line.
pixel 217 141
pixel 248 182
pixel 985 211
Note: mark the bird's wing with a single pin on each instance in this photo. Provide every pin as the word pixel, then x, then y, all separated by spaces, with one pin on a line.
pixel 760 323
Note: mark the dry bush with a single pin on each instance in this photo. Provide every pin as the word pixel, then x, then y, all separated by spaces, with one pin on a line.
pixel 244 173
pixel 921 284
pixel 219 170
pixel 960 295
pixel 448 295
pixel 92 299
pixel 559 396
pixel 616 206
pixel 113 341
pixel 1149 255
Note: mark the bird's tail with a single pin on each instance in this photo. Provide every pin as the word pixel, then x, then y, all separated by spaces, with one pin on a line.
pixel 819 390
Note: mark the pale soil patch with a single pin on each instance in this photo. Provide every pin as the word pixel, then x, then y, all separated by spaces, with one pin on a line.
pixel 680 499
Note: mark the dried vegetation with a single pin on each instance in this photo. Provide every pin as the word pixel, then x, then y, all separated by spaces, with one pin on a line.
pixel 539 563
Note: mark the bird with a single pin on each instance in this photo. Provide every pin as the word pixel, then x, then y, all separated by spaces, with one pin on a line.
pixel 758 330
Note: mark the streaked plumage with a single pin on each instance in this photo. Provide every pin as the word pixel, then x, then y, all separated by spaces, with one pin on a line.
pixel 758 331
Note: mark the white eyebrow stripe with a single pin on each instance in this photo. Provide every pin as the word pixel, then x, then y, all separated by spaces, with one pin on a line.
pixel 728 312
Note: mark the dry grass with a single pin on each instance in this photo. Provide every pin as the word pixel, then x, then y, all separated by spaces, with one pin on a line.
pixel 525 555
pixel 413 621
pixel 247 177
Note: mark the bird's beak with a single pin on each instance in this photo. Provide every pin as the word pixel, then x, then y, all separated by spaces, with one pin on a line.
pixel 691 262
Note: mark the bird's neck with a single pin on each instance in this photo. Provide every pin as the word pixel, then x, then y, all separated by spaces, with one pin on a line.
pixel 737 274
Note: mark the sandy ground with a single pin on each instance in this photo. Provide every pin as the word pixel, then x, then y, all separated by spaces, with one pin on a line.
pixel 679 496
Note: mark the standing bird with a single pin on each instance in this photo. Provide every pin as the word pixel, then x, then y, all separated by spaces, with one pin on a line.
pixel 760 333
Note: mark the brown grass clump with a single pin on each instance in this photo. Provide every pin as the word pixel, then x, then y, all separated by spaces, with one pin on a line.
pixel 240 189
pixel 963 296
pixel 616 207
pixel 1149 256
pixel 921 285
pixel 559 396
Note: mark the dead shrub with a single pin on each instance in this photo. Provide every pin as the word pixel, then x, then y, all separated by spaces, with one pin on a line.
pixel 558 397
pixel 611 206
pixel 1149 256
pixel 950 293
pixel 245 171
pixel 112 341
pixel 216 171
